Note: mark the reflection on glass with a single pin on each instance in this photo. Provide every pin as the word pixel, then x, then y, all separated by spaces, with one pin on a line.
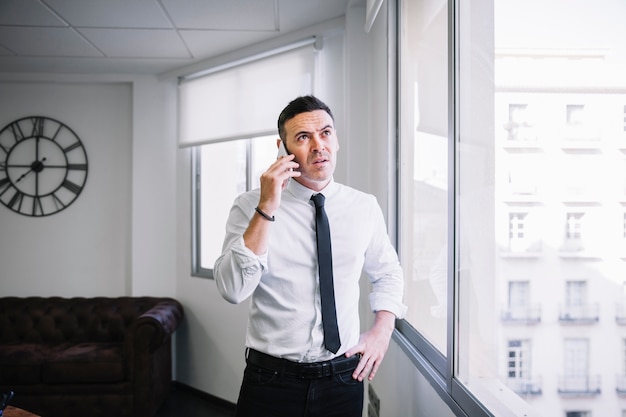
pixel 424 160
pixel 542 206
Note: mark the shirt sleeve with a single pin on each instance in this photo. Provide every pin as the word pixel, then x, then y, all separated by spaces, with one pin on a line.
pixel 383 268
pixel 238 270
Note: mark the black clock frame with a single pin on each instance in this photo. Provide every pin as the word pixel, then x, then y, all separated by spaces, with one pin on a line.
pixel 43 166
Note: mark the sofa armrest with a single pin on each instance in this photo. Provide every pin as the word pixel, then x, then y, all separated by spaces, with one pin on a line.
pixel 155 326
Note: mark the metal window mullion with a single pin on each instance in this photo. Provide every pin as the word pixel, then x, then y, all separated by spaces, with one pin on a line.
pixel 453 191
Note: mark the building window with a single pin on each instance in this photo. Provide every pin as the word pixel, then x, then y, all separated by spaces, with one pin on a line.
pixel 518 362
pixel 517 226
pixel 574 230
pixel 519 368
pixel 575 115
pixel 519 126
pixel 576 366
pixel 577 309
pixel 519 308
pixel 519 237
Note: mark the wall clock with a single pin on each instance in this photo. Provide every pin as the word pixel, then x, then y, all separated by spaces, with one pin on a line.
pixel 43 166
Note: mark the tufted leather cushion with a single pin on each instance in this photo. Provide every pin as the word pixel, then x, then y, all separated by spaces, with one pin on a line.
pixel 56 319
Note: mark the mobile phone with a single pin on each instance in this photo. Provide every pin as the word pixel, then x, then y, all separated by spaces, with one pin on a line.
pixel 282 151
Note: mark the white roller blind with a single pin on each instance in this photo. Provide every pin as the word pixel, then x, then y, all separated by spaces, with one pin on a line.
pixel 244 100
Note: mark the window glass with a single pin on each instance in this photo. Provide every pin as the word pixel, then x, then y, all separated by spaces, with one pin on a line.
pixel 540 203
pixel 424 165
pixel 223 171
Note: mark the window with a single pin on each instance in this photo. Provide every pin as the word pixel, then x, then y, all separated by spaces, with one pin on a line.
pixel 519 369
pixel 222 171
pixel 520 124
pixel 424 151
pixel 573 230
pixel 517 232
pixel 575 114
pixel 511 138
pixel 228 114
pixel 519 304
pixel 576 378
pixel 577 308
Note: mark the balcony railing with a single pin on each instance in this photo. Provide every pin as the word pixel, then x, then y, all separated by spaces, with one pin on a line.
pixel 579 385
pixel 580 314
pixel 530 314
pixel 525 387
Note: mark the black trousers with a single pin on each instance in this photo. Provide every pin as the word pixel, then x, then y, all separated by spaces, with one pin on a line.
pixel 275 387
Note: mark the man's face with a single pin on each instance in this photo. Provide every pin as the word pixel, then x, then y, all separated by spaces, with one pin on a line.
pixel 311 137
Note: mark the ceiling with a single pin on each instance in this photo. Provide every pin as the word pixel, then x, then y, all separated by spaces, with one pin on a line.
pixel 143 36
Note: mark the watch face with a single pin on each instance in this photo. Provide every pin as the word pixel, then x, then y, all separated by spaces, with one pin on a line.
pixel 43 166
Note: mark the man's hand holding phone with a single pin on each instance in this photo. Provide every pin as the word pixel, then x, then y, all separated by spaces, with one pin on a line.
pixel 282 153
pixel 276 179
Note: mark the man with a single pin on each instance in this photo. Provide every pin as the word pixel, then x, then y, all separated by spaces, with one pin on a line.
pixel 270 253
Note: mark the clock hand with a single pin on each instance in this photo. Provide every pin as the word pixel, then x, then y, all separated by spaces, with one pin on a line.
pixel 36 166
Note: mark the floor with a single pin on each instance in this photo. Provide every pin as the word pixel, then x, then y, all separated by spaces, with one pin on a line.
pixel 187 402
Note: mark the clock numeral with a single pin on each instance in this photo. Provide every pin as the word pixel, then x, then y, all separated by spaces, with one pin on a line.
pixel 78 167
pixel 17 199
pixel 16 129
pixel 71 186
pixel 37 126
pixel 4 182
pixel 37 205
pixel 58 203
pixel 71 147
pixel 54 137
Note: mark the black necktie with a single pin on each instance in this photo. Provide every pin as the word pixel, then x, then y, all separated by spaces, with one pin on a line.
pixel 327 290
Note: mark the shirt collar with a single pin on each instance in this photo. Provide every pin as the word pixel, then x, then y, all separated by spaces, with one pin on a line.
pixel 303 193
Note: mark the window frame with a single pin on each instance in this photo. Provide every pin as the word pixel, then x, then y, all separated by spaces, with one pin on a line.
pixel 437 368
pixel 197 270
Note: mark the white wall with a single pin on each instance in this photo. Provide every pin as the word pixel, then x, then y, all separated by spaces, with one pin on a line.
pixel 118 237
pixel 84 249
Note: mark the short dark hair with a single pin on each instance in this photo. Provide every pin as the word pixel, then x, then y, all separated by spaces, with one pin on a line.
pixel 299 105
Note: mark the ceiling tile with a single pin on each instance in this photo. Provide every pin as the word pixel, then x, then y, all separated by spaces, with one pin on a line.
pixel 36 41
pixel 254 15
pixel 137 43
pixel 112 13
pixel 27 13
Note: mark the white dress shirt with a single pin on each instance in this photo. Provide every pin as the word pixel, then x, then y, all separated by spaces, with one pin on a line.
pixel 285 318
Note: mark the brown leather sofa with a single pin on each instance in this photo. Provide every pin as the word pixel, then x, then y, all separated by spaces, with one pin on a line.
pixel 79 357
